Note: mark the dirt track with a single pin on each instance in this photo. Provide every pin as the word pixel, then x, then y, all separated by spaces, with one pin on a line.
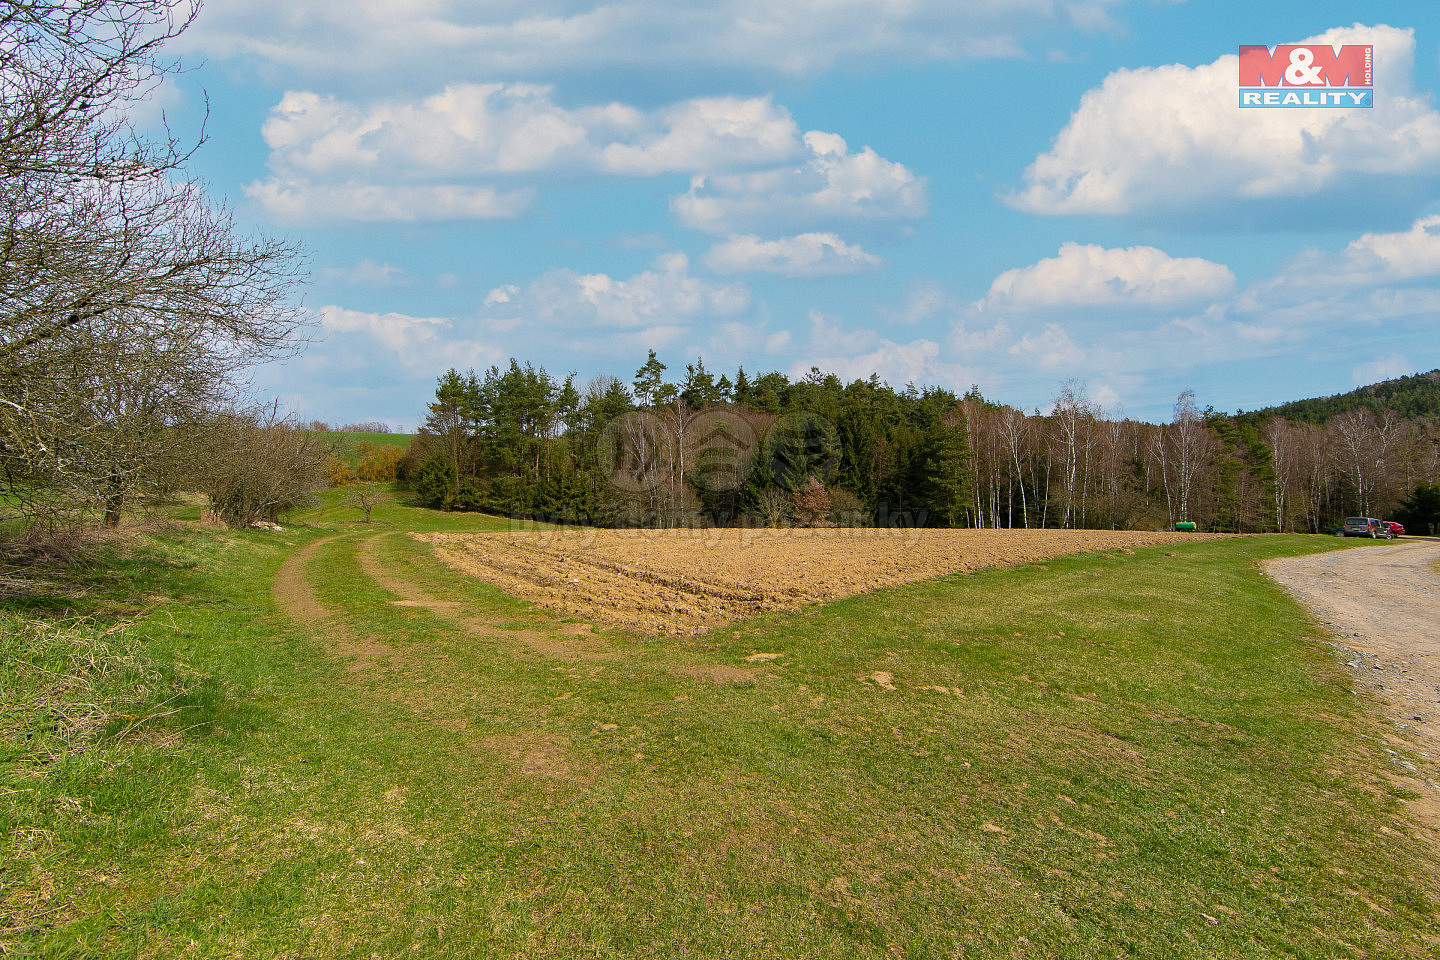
pixel 1383 604
pixel 686 581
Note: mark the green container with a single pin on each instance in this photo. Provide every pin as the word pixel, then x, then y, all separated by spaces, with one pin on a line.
pixel 1186 525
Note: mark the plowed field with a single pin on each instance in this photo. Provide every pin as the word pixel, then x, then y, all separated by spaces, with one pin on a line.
pixel 687 581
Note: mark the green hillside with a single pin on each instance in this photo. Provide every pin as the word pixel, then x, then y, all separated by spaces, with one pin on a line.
pixel 1415 397
pixel 347 444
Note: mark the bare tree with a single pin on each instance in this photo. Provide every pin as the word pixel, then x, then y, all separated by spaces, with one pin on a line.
pixel 1359 449
pixel 256 465
pixel 130 308
pixel 1072 410
pixel 775 507
pixel 1157 459
pixel 367 500
pixel 637 452
pixel 1318 471
pixel 1285 443
pixel 1013 429
pixel 1192 447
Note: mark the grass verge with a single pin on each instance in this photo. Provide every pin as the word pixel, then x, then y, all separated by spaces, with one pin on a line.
pixel 1143 754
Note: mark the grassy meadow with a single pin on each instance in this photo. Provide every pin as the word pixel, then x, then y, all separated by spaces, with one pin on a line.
pixel 323 743
pixel 348 445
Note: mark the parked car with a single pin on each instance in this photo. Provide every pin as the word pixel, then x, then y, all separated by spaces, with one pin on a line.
pixel 1356 527
pixel 1396 528
pixel 1371 527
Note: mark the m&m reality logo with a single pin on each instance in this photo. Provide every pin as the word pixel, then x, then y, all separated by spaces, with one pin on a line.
pixel 1307 75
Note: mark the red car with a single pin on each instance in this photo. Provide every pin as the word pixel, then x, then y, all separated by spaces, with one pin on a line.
pixel 1396 529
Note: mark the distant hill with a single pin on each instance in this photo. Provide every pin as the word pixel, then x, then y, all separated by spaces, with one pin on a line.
pixel 347 444
pixel 1416 397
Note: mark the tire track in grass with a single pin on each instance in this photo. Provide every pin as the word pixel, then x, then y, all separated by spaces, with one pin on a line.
pixel 296 597
pixel 535 754
pixel 574 646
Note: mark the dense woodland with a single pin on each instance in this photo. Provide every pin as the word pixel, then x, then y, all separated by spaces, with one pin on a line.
pixel 697 449
pixel 1415 397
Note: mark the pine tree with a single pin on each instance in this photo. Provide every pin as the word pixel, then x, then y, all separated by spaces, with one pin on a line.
pixel 945 479
pixel 650 387
pixel 450 420
pixel 743 392
pixel 802 445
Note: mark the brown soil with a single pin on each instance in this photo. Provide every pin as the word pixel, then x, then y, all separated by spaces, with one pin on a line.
pixel 292 591
pixel 1382 603
pixel 687 581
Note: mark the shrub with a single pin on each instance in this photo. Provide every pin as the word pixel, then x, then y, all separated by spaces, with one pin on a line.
pixel 434 481
pixel 339 472
pixel 773 507
pixel 811 504
pixel 378 464
pixel 258 466
pixel 847 510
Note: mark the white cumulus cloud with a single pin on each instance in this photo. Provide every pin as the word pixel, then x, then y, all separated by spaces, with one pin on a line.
pixel 805 255
pixel 1377 278
pixel 666 295
pixel 494 128
pixel 1174 137
pixel 445 156
pixel 705 134
pixel 833 184
pixel 1091 275
pixel 1374 258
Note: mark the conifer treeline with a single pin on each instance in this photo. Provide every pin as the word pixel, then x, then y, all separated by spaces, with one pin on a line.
pixel 766 450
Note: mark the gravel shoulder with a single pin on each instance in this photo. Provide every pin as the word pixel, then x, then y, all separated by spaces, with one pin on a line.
pixel 1382 605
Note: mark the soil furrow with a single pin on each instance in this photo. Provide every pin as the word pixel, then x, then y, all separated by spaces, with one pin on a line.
pixel 683 581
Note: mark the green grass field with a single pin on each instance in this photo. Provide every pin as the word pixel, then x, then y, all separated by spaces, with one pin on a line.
pixel 1147 755
pixel 347 444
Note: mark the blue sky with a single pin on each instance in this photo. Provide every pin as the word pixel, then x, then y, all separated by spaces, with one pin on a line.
pixel 1009 194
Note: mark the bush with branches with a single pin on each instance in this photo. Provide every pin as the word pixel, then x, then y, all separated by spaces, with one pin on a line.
pixel 811 504
pixel 258 466
pixel 130 306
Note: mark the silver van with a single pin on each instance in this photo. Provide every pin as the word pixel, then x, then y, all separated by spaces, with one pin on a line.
pixel 1366 527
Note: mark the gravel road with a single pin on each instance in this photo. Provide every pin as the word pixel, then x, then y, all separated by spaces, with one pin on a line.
pixel 1382 603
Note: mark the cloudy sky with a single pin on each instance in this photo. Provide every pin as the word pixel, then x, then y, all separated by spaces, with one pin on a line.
pixel 949 192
